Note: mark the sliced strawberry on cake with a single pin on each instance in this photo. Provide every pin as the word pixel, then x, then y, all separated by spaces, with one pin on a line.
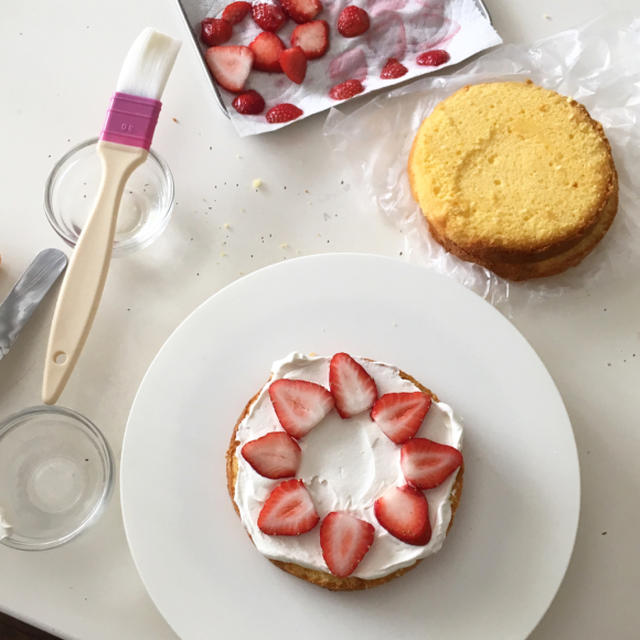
pixel 300 405
pixel 288 511
pixel 276 455
pixel 230 65
pixel 344 540
pixel 426 464
pixel 400 415
pixel 404 513
pixel 353 389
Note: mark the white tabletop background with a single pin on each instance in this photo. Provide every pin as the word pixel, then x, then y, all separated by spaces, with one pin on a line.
pixel 58 66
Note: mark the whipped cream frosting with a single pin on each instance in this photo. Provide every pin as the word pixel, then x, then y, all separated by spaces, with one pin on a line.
pixel 346 465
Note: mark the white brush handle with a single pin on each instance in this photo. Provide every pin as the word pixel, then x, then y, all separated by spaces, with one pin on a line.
pixel 87 271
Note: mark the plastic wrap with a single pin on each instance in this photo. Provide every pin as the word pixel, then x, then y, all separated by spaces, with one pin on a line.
pixel 597 64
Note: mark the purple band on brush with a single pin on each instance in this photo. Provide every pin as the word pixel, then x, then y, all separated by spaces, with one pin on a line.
pixel 131 120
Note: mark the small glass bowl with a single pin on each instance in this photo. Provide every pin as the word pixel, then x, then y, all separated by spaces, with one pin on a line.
pixel 146 206
pixel 56 474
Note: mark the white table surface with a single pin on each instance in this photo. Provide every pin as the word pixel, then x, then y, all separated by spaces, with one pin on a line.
pixel 58 65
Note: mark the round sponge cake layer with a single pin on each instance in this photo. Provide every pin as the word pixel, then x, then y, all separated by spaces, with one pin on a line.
pixel 510 172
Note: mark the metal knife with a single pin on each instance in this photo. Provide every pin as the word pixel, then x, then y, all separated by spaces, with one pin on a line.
pixel 27 294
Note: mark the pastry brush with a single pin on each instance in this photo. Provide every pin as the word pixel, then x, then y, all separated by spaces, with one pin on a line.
pixel 123 146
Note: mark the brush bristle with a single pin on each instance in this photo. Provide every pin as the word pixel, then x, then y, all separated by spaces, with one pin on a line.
pixel 148 64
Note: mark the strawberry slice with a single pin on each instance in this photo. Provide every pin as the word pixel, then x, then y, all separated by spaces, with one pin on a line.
pixel 294 63
pixel 352 21
pixel 352 387
pixel 433 58
pixel 425 463
pixel 299 405
pixel 267 48
pixel 249 103
pixel 404 513
pixel 214 31
pixel 312 38
pixel 230 65
pixel 393 69
pixel 288 511
pixel 276 455
pixel 301 10
pixel 400 415
pixel 283 112
pixel 236 12
pixel 346 89
pixel 268 15
pixel 345 540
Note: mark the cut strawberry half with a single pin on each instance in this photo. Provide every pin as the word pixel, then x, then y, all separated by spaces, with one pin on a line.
pixel 346 89
pixel 230 65
pixel 249 103
pixel 294 64
pixel 426 464
pixel 400 415
pixel 345 540
pixel 268 15
pixel 352 387
pixel 301 11
pixel 276 455
pixel 284 112
pixel 299 405
pixel 352 21
pixel 433 58
pixel 236 12
pixel 288 511
pixel 393 69
pixel 312 38
pixel 267 48
pixel 215 31
pixel 404 513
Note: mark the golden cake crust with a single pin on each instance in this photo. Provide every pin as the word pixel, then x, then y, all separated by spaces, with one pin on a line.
pixel 510 173
pixel 320 578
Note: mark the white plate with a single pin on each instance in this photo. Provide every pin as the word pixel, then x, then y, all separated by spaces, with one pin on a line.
pixel 509 548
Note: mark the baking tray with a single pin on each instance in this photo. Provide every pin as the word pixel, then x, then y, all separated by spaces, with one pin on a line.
pixel 194 11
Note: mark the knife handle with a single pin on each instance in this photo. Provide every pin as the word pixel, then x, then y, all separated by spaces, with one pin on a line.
pixel 87 272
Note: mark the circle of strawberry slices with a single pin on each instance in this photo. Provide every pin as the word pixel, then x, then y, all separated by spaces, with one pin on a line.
pixel 231 65
pixel 403 511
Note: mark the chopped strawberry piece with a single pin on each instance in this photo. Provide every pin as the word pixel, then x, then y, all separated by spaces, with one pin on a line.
pixel 284 112
pixel 312 38
pixel 294 63
pixel 301 10
pixel 236 12
pixel 426 464
pixel 346 89
pixel 353 389
pixel 404 513
pixel 433 58
pixel 400 415
pixel 299 405
pixel 267 48
pixel 276 455
pixel 230 65
pixel 249 103
pixel 288 511
pixel 393 69
pixel 268 16
pixel 353 21
pixel 214 31
pixel 345 540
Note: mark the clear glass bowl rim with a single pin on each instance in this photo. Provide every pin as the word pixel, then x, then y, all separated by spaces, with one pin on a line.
pixel 106 458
